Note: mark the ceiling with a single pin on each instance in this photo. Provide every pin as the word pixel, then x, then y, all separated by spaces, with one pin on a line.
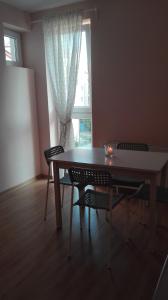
pixel 35 5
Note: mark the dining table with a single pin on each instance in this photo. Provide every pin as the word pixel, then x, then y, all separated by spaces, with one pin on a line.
pixel 148 166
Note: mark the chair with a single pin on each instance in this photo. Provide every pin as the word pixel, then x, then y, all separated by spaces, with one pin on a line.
pixel 65 180
pixel 144 194
pixel 161 290
pixel 128 182
pixel 92 198
pixel 133 146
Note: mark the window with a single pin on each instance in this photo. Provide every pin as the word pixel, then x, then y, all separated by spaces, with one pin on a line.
pixel 12 48
pixel 82 132
pixel 82 113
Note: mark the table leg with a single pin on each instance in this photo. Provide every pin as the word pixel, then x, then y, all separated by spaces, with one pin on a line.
pixel 163 176
pixel 153 204
pixel 153 214
pixel 81 209
pixel 57 196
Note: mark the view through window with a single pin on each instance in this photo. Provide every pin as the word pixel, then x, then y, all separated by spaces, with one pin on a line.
pixel 82 116
pixel 12 44
pixel 10 48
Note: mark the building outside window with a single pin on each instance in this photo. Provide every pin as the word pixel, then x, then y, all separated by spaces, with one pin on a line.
pixel 12 44
pixel 82 114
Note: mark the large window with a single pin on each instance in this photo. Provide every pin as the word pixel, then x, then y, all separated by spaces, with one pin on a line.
pixel 82 114
pixel 61 41
pixel 12 48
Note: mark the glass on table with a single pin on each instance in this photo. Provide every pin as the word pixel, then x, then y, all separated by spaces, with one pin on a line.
pixel 109 149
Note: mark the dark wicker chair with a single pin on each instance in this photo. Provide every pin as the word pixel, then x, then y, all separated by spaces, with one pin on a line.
pixel 93 198
pixel 161 290
pixel 144 193
pixel 133 146
pixel 65 180
pixel 128 182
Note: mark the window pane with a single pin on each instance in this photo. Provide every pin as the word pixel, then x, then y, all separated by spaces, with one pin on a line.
pixel 82 133
pixel 10 48
pixel 82 88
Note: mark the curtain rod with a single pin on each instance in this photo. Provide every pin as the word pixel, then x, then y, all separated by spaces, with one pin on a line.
pixel 85 11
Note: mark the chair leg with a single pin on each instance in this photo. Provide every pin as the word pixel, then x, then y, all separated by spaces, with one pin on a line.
pixel 81 215
pixel 46 201
pixel 142 212
pixel 97 213
pixel 81 208
pixel 127 225
pixel 117 190
pixel 110 239
pixel 70 227
pixel 89 218
pixel 62 198
pixel 110 228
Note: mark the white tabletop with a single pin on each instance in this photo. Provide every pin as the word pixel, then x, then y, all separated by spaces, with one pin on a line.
pixel 123 159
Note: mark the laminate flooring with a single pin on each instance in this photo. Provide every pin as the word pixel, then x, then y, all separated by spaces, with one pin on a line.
pixel 33 255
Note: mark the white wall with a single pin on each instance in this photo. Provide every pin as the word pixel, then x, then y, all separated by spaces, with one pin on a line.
pixel 19 145
pixel 34 57
pixel 19 140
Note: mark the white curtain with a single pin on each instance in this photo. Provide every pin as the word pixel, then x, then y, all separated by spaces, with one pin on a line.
pixel 62 38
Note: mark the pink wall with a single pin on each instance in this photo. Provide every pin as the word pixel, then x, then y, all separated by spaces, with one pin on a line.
pixel 130 63
pixel 129 71
pixel 14 17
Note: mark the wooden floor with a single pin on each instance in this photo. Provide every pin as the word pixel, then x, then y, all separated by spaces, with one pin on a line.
pixel 33 256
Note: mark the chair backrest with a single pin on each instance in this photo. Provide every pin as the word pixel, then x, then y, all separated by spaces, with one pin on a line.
pixel 52 151
pixel 133 146
pixel 92 177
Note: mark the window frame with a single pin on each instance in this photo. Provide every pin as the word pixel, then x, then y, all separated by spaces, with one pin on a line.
pixel 17 37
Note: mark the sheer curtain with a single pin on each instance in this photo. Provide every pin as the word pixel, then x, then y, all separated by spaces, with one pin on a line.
pixel 62 38
pixel 88 47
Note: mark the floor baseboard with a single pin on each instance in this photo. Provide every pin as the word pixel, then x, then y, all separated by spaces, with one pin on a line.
pixel 31 180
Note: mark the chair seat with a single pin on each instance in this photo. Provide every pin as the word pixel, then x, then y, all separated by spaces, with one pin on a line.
pixel 127 181
pixel 98 200
pixel 144 193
